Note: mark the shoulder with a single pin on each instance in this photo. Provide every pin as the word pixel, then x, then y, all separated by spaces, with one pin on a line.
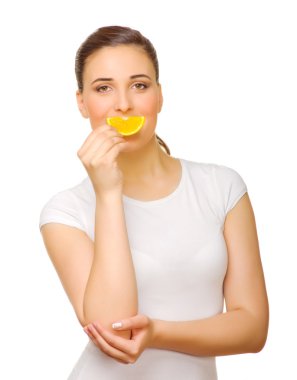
pixel 81 192
pixel 210 169
pixel 222 182
pixel 67 206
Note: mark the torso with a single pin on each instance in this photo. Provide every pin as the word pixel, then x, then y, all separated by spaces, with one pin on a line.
pixel 179 255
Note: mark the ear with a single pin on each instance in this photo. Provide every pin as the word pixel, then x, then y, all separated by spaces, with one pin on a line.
pixel 81 105
pixel 160 98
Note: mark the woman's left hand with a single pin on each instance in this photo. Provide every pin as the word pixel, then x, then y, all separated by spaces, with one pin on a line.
pixel 121 349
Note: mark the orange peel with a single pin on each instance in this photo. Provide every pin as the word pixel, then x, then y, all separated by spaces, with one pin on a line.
pixel 126 126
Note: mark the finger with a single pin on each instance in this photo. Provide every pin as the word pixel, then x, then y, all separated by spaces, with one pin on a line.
pixel 90 335
pixel 94 340
pixel 105 347
pixel 96 138
pixel 115 341
pixel 101 148
pixel 110 153
pixel 137 322
pixel 93 136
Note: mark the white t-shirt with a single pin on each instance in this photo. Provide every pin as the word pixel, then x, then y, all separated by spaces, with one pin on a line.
pixel 180 259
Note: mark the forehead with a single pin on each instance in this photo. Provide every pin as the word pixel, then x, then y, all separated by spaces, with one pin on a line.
pixel 117 60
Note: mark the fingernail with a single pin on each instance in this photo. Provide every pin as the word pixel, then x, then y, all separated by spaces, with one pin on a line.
pixel 117 325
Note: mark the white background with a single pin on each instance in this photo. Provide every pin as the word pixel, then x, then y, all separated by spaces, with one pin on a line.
pixel 228 70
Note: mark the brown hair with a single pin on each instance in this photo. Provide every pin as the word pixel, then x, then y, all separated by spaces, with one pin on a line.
pixel 114 36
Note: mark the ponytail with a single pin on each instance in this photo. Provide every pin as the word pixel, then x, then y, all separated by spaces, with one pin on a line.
pixel 163 145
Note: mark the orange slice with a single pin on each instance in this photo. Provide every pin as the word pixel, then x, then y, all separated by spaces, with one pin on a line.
pixel 126 126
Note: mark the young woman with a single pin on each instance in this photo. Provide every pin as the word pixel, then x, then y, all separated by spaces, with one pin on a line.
pixel 148 247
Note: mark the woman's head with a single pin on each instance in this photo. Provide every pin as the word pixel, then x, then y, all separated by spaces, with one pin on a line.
pixel 111 36
pixel 107 67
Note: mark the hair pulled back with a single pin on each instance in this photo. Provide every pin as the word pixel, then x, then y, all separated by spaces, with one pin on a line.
pixel 110 36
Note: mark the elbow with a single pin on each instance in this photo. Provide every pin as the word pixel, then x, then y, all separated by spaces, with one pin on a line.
pixel 259 343
pixel 259 337
pixel 255 332
pixel 85 319
pixel 256 347
pixel 82 320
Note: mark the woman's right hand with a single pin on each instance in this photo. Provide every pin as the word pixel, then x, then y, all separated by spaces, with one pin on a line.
pixel 99 155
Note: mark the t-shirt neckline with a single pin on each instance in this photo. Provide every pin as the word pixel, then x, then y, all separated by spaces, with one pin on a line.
pixel 163 199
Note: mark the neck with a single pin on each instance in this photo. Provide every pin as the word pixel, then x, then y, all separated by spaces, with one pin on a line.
pixel 144 163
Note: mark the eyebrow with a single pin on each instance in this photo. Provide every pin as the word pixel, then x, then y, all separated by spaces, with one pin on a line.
pixel 131 77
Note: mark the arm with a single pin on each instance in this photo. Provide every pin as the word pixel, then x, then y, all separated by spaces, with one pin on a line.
pixel 111 286
pixel 243 328
pixel 95 275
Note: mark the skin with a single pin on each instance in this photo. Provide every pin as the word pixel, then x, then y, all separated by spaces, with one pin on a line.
pixel 93 273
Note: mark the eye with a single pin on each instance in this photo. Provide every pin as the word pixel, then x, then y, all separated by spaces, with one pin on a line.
pixel 140 86
pixel 103 89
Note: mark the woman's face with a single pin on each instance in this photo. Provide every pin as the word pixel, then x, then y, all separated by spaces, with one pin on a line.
pixel 120 81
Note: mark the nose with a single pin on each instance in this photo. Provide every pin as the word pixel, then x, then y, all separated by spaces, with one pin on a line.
pixel 123 102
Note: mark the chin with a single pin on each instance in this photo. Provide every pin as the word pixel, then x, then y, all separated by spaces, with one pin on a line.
pixel 138 141
pixel 131 147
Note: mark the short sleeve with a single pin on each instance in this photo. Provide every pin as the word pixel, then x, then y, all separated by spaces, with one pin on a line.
pixel 231 187
pixel 62 208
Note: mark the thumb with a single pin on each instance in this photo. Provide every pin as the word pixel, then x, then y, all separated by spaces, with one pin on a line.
pixel 137 322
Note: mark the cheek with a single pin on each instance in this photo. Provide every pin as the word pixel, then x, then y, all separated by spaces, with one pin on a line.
pixel 97 111
pixel 149 105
